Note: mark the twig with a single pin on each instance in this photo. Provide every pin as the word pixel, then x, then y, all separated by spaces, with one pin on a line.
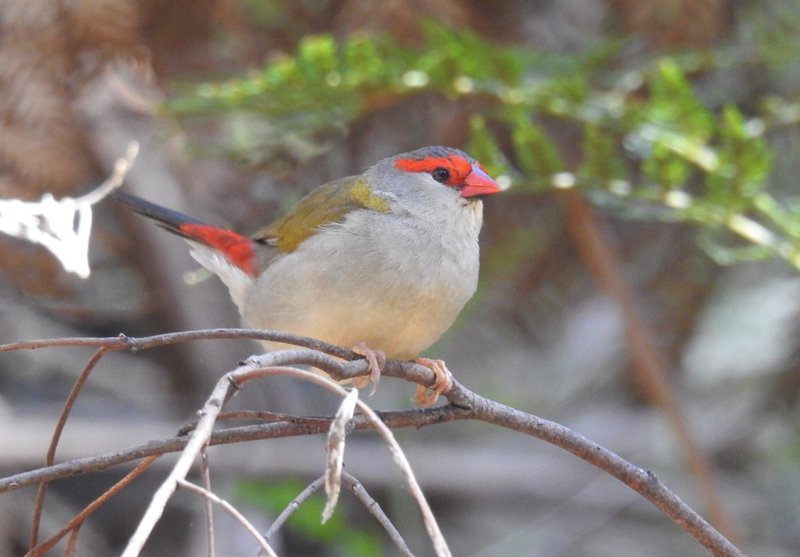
pixel 330 366
pixel 72 543
pixel 253 368
pixel 414 418
pixel 75 523
pixel 51 450
pixel 376 511
pixel 642 481
pixel 464 405
pixel 209 496
pixel 361 494
pixel 260 415
pixel 205 475
pixel 121 168
pixel 196 443
pixel 293 505
pixel 647 364
pixel 316 356
pixel 63 226
pixel 134 344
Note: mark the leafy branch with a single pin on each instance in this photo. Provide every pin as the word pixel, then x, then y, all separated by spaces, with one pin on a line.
pixel 650 148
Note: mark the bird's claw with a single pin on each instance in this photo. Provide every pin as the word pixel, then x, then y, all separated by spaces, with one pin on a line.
pixel 426 397
pixel 376 360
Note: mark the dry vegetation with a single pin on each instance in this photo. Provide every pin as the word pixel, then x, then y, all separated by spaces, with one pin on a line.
pixel 659 334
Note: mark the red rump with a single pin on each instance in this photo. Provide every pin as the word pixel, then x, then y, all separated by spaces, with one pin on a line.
pixel 236 248
pixel 458 167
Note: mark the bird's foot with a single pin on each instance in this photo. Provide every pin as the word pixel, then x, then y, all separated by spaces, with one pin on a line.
pixel 443 382
pixel 376 360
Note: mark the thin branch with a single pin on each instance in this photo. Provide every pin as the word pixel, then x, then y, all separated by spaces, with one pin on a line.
pixel 253 368
pixel 331 366
pixel 205 475
pixel 121 168
pixel 642 481
pixel 376 511
pixel 418 374
pixel 464 405
pixel 293 505
pixel 134 344
pixel 361 494
pixel 51 450
pixel 647 364
pixel 72 543
pixel 63 226
pixel 76 522
pixel 230 509
pixel 197 441
pixel 414 418
pixel 259 415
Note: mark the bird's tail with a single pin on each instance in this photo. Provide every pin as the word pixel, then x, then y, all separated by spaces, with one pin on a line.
pixel 167 219
pixel 229 255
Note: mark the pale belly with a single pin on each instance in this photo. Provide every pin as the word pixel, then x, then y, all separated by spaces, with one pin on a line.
pixel 401 326
pixel 346 308
pixel 395 292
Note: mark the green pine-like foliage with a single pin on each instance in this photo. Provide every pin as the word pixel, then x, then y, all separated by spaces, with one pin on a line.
pixel 650 146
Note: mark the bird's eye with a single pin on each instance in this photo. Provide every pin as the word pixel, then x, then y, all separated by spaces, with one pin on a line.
pixel 441 175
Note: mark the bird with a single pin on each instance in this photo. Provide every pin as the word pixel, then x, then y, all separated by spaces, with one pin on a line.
pixel 381 262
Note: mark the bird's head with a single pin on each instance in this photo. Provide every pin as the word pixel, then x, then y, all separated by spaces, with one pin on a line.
pixel 433 172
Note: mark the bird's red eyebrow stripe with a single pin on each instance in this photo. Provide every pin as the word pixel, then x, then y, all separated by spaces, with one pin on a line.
pixel 236 248
pixel 459 167
pixel 423 165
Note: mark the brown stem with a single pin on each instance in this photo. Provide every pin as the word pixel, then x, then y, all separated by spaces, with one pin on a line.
pixel 75 523
pixel 464 405
pixel 604 263
pixel 51 450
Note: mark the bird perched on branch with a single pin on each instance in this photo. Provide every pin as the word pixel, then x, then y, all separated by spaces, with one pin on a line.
pixel 382 262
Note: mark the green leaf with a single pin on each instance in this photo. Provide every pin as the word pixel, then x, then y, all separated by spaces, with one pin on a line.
pixel 647 136
pixel 484 148
pixel 537 155
pixel 674 105
pixel 602 164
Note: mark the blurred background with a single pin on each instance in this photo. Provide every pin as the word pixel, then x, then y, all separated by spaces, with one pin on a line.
pixel 639 278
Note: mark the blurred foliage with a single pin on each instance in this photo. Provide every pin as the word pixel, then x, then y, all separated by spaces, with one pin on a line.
pixel 306 519
pixel 650 147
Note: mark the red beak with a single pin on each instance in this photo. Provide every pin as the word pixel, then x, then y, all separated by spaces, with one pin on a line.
pixel 478 184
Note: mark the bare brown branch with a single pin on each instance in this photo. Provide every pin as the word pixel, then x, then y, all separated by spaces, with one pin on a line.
pixel 205 476
pixel 375 510
pixel 464 405
pixel 293 505
pixel 646 363
pixel 230 509
pixel 74 524
pixel 51 451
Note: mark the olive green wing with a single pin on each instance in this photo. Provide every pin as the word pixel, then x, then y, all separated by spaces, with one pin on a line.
pixel 328 203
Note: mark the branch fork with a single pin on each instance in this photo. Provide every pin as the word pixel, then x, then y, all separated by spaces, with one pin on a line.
pixel 340 364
